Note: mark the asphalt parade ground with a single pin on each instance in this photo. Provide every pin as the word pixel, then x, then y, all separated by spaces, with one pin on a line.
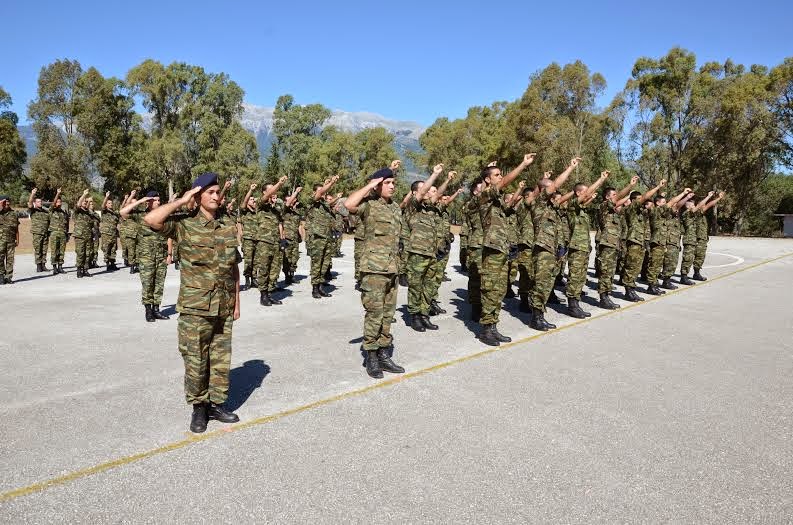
pixel 676 409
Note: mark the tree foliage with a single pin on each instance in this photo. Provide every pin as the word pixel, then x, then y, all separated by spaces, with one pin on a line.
pixel 12 147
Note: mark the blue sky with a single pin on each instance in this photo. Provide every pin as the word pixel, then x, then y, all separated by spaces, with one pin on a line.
pixel 403 59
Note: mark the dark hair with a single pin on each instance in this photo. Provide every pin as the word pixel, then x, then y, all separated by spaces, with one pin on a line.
pixel 635 194
pixel 607 190
pixel 658 198
pixel 578 186
pixel 415 185
pixel 487 171
pixel 317 186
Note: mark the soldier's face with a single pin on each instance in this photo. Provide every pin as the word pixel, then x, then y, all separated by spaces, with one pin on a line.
pixel 210 198
pixel 37 203
pixel 612 196
pixel 155 203
pixel 431 193
pixel 57 203
pixel 109 205
pixel 494 178
pixel 386 188
pixel 252 201
pixel 3 205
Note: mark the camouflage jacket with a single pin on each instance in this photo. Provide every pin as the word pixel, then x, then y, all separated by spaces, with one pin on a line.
pixel 492 210
pixel 39 221
pixel 250 223
pixel 83 223
pixel 688 221
pixel 320 220
pixel 109 223
pixel 636 217
pixel 444 224
pixel 268 218
pixel 59 220
pixel 208 258
pixel 702 226
pixel 659 229
pixel 383 223
pixel 131 225
pixel 547 224
pixel 610 223
pixel 474 220
pixel 291 218
pixel 673 228
pixel 9 224
pixel 422 220
pixel 525 223
pixel 579 225
pixel 151 244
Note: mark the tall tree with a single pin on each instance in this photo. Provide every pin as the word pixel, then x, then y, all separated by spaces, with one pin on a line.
pixel 12 147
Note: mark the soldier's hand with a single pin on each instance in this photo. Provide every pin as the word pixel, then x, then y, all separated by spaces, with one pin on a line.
pixel 188 195
pixel 528 158
pixel 227 184
pixel 395 164
pixel 237 311
pixel 605 175
pixel 452 174
pixel 711 193
pixel 282 180
pixel 58 191
pixel 335 178
pixel 437 169
pixel 107 194
pixel 252 186
pixel 634 180
pixel 169 260
pixel 85 192
pixel 492 164
pixel 298 189
pixel 721 194
pixel 547 175
pixel 686 190
pixel 521 185
pixel 662 183
pixel 133 193
pixel 575 161
pixel 338 195
pixel 33 191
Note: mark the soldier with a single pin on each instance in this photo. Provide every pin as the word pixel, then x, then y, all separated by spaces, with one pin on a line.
pixel 463 255
pixel 421 216
pixel 58 233
pixel 154 256
pixel 359 237
pixel 495 248
pixel 636 215
pixel 83 234
pixel 249 222
pixel 293 235
pixel 525 243
pixel 580 244
pixel 474 257
pixel 268 249
pixel 108 230
pixel 610 240
pixel 39 226
pixel 659 233
pixel 383 223
pixel 549 245
pixel 673 232
pixel 129 231
pixel 338 229
pixel 320 237
pixel 445 240
pixel 9 239
pixel 209 296
pixel 702 238
pixel 93 247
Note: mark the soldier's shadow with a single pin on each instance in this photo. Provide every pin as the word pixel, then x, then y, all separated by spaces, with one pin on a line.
pixel 168 310
pixel 33 278
pixel 463 310
pixel 243 380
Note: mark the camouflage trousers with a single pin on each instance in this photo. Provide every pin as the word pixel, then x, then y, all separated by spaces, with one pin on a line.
pixel 378 296
pixel 463 250
pixel 634 257
pixel 546 268
pixel 131 245
pixel 493 271
pixel 359 243
pixel 512 272
pixel 57 247
pixel 402 260
pixel 525 265
pixel 474 260
pixel 421 272
pixel 577 265
pixel 337 245
pixel 321 251
pixel 153 269
pixel 688 258
pixel 670 260
pixel 657 254
pixel 248 255
pixel 700 250
pixel 205 345
pixel 82 251
pixel 94 251
pixel 607 266
pixel 8 247
pixel 175 251
pixel 109 247
pixel 291 255
pixel 440 270
pixel 267 265
pixel 40 247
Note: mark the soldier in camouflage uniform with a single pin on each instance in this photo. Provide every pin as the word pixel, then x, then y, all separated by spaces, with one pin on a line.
pixel 659 234
pixel 445 238
pixel 359 237
pixel 512 200
pixel 320 237
pixel 129 231
pixel 525 243
pixel 580 244
pixel 93 247
pixel 463 255
pixel 636 216
pixel 383 222
pixel 338 231
pixel 474 257
pixel 83 234
pixel 702 238
pixel 39 224
pixel 250 224
pixel 209 299
pixel 9 239
pixel 293 234
pixel 673 232
pixel 59 233
pixel 549 242
pixel 495 248
pixel 108 230
pixel 268 249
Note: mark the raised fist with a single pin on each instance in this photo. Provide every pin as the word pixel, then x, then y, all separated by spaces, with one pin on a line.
pixel 575 161
pixel 452 174
pixel 227 184
pixel 395 164
pixel 605 175
pixel 686 190
pixel 282 179
pixel 711 193
pixel 335 178
pixel 253 186
pixel 492 164
pixel 107 194
pixel 298 189
pixel 528 158
pixel 33 191
pixel 85 192
pixel 634 180
pixel 437 169
pixel 58 190
pixel 662 183
pixel 721 194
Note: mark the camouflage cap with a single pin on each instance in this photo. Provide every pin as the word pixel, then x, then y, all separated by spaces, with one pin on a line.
pixel 205 180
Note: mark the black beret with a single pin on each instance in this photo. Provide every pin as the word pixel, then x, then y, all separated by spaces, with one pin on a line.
pixel 4 198
pixel 205 180
pixel 152 194
pixel 384 173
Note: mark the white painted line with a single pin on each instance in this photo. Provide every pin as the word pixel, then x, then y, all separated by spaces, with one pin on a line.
pixel 737 261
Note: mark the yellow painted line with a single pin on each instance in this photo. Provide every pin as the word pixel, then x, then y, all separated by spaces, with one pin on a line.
pixel 197 438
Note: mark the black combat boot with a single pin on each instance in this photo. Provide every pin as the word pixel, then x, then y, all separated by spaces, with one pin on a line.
pixel 218 413
pixel 176 265
pixel 685 280
pixel 44 267
pixel 264 299
pixel 155 310
pixel 667 284
pixel 510 292
pixel 55 270
pixel 133 268
pixel 632 296
pixel 247 282
pixel 373 365
pixel 435 308
pixel 322 291
pixel 126 262
pixel 315 291
pixel 425 320
pixel 273 299
pixel 198 423
pixel 254 282
pixel 289 278
pixel 328 276
pixel 446 278
pixel 476 312
pixel 149 313
pixel 698 276
pixel 574 310
pixel 403 280
pixel 525 306
pixel 607 303
pixel 79 273
pixel 501 337
pixel 38 268
pixel 538 321
pixel 387 364
pixel 652 289
pixel 416 324
pixel 109 267
pixel 86 273
pixel 488 335
pixel 553 298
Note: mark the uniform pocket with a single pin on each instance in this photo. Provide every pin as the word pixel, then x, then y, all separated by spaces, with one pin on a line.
pixel 194 298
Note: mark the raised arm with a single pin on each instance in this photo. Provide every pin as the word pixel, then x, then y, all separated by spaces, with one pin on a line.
pixel 672 203
pixel 155 219
pixel 226 186
pixel 444 185
pixel 251 188
pixel 566 197
pixel 652 191
pixel 713 202
pixel 512 175
pixel 517 196
pixel 624 192
pixel 32 196
pixel 704 201
pixel 405 200
pixel 679 204
pixel 266 194
pixel 126 210
pixel 82 198
pixel 591 191
pixel 104 201
pixel 559 181
pixel 293 197
pixel 325 187
pixel 355 198
pixel 422 191
pixel 454 195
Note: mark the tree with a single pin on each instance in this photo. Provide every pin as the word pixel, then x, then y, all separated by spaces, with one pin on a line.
pixel 12 147
pixel 296 129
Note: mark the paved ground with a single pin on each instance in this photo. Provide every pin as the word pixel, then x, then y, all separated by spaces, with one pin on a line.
pixel 678 409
